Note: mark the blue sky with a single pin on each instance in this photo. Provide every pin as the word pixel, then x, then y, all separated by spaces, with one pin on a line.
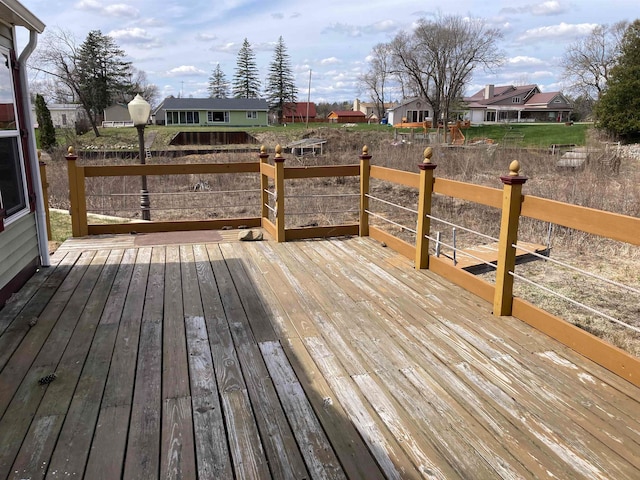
pixel 179 43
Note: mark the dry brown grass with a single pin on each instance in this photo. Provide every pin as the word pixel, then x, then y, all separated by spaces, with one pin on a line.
pixel 308 203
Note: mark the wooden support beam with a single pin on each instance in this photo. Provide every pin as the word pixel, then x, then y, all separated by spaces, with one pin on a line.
pixel 511 203
pixel 424 208
pixel 365 171
pixel 280 227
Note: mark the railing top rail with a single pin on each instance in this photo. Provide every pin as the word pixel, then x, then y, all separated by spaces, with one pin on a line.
pixel 322 171
pixel 489 196
pixel 597 222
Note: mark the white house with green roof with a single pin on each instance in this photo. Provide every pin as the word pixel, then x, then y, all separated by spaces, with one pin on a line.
pixel 225 112
pixel 23 233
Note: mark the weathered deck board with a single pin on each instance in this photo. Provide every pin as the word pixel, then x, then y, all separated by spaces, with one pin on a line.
pixel 316 359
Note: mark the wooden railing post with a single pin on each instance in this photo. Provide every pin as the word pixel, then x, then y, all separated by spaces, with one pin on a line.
pixel 78 207
pixel 511 204
pixel 279 163
pixel 365 172
pixel 424 209
pixel 264 185
pixel 45 192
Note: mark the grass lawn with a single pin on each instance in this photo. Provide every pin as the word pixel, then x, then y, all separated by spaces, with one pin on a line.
pixel 61 224
pixel 525 135
pixel 532 135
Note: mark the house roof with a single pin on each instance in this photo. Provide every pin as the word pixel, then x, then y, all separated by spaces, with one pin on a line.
pixel 407 102
pixel 15 13
pixel 172 103
pixel 299 109
pixel 347 113
pixel 532 96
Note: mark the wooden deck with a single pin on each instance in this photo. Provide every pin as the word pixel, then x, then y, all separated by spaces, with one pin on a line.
pixel 316 359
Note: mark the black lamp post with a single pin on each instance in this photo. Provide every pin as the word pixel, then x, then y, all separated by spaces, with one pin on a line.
pixel 139 110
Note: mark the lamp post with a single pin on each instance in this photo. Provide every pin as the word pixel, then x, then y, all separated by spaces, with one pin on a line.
pixel 139 110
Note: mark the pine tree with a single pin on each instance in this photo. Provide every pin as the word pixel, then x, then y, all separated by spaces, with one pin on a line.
pixel 281 88
pixel 618 110
pixel 246 83
pixel 46 131
pixel 102 72
pixel 218 86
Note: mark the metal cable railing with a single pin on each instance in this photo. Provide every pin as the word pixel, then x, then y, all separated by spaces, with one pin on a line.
pixel 390 221
pixel 392 204
pixel 579 270
pixel 575 302
pixel 455 249
pixel 463 228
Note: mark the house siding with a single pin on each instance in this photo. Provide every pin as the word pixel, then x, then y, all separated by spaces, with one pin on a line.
pixel 18 247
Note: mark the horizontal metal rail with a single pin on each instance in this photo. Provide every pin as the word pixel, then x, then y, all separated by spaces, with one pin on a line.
pixel 390 203
pixel 579 270
pixel 463 228
pixel 575 302
pixel 390 221
pixel 331 195
pixel 455 249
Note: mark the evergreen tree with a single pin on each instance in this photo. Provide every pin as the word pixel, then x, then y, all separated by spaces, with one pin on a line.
pixel 102 73
pixel 218 86
pixel 46 131
pixel 281 88
pixel 618 110
pixel 246 83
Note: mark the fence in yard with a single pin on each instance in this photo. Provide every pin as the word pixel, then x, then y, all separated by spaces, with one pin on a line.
pixel 509 201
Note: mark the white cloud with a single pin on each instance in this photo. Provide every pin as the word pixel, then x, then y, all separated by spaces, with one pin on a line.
pixel 522 60
pixel 131 35
pixel 360 30
pixel 550 7
pixel 562 30
pixel 206 37
pixel 184 70
pixel 115 10
pixel 329 61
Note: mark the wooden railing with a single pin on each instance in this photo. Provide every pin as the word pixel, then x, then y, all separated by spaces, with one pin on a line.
pixel 509 200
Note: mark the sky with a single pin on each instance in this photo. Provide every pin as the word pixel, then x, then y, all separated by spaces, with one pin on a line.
pixel 179 43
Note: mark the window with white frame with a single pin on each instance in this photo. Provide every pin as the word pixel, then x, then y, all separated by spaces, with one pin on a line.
pixel 217 117
pixel 516 100
pixel 414 116
pixel 13 188
pixel 252 114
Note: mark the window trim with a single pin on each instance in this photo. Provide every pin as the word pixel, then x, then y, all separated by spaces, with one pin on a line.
pixel 26 207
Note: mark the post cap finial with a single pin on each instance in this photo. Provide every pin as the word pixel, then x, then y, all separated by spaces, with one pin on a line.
pixel 427 154
pixel 365 150
pixel 278 151
pixel 71 150
pixel 263 149
pixel 39 154
pixel 514 168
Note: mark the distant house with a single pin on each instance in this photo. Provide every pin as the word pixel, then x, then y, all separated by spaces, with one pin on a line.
pixel 346 116
pixel 229 112
pixel 511 103
pixel 370 110
pixel 23 232
pixel 64 115
pixel 299 112
pixel 117 115
pixel 413 110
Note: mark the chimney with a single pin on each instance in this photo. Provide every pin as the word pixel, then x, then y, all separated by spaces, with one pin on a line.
pixel 488 92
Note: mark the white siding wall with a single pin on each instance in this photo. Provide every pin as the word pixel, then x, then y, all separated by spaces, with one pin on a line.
pixel 18 247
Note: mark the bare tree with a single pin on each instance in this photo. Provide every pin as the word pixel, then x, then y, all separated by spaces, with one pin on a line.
pixel 437 59
pixel 376 79
pixel 587 63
